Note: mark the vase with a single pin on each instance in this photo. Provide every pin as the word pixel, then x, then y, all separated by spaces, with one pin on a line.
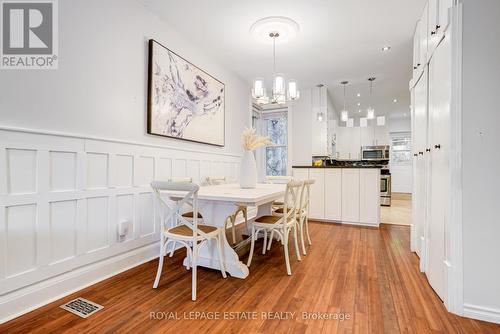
pixel 248 170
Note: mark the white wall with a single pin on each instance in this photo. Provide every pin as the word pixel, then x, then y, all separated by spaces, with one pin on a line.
pixel 100 88
pixel 302 129
pixel 62 197
pixel 481 137
pixel 399 125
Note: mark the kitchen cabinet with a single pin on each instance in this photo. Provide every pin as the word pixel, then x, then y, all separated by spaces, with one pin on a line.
pixel 348 143
pixel 438 155
pixel 374 136
pixel 333 194
pixel 369 188
pixel 350 195
pixel 317 195
pixel 416 51
pixel 322 129
pixel 419 147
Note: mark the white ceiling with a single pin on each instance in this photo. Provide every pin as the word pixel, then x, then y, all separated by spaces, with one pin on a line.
pixel 338 40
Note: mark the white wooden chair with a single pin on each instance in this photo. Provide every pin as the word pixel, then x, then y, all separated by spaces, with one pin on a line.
pixel 215 180
pixel 281 225
pixel 187 211
pixel 278 179
pixel 302 215
pixel 176 228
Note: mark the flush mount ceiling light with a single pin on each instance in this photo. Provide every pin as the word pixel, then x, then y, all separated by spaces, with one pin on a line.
pixel 370 112
pixel 395 100
pixel 358 95
pixel 386 48
pixel 344 115
pixel 273 30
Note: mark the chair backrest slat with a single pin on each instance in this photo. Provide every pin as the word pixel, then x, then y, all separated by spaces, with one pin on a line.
pixel 178 195
pixel 280 179
pixel 216 180
pixel 291 200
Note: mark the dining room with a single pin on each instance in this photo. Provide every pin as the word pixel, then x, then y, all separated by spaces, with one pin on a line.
pixel 247 167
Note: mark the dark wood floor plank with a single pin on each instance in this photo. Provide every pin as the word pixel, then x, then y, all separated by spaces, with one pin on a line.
pixel 369 274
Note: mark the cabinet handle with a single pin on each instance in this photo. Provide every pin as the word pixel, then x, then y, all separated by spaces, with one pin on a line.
pixel 415 67
pixel 438 146
pixel 438 26
pixel 427 150
pixel 421 153
pixel 433 32
pixel 418 65
pixel 415 154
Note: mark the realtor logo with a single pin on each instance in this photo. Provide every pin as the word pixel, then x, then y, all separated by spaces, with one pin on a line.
pixel 29 34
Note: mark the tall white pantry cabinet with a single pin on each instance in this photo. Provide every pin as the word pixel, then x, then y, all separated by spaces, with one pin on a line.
pixel 431 95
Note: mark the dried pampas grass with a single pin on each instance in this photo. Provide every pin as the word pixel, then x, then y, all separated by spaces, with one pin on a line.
pixel 252 141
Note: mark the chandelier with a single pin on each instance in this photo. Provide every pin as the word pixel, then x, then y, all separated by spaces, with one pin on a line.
pixel 282 91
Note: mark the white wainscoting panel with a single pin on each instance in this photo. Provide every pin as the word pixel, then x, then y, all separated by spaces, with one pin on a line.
pixel 62 198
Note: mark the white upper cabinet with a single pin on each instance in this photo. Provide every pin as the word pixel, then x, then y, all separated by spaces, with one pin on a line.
pixel 433 25
pixel 381 136
pixel 443 20
pixel 416 51
pixel 355 144
pixel 423 45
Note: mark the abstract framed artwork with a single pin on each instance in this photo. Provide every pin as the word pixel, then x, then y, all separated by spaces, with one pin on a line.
pixel 184 102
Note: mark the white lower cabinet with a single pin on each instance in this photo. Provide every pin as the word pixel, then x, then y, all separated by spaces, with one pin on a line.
pixel 317 196
pixel 333 194
pixel 369 188
pixel 350 195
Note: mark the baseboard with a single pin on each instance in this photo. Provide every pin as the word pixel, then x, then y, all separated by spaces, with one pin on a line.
pixel 32 297
pixel 482 313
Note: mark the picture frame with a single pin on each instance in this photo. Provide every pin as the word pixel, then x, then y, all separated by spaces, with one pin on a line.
pixel 184 101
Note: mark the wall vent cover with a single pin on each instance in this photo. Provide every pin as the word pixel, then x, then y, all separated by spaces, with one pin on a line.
pixel 82 307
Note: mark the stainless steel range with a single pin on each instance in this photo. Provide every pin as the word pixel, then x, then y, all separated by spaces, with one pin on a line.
pixel 385 187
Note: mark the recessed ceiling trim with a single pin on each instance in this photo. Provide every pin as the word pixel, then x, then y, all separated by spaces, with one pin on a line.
pixel 284 26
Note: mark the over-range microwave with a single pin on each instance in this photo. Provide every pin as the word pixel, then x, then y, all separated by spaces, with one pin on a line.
pixel 375 153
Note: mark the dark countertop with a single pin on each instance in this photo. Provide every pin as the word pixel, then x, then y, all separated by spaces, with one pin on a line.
pixel 359 167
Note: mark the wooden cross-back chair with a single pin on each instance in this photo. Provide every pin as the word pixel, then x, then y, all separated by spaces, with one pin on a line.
pixel 282 225
pixel 170 197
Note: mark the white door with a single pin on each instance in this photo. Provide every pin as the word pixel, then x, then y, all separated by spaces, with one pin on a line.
pixel 317 195
pixel 369 196
pixel 438 192
pixel 350 195
pixel 419 147
pixel 333 194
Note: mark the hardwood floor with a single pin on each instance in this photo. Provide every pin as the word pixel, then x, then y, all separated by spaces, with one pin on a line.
pixel 366 274
pixel 399 212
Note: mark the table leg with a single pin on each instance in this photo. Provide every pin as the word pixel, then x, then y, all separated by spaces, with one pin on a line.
pixel 216 214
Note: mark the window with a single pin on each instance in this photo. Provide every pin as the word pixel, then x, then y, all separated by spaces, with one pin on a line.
pixel 401 149
pixel 276 155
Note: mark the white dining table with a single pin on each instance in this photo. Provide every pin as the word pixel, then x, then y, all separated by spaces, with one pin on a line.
pixel 216 203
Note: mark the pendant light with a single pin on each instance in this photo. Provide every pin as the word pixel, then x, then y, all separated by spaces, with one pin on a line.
pixel 320 116
pixel 370 112
pixel 344 115
pixel 282 91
